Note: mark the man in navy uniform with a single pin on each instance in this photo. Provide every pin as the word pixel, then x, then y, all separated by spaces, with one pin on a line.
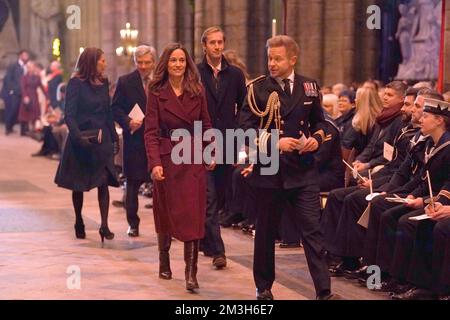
pixel 299 113
pixel 131 92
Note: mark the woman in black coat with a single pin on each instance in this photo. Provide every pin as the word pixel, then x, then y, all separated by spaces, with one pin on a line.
pixel 87 160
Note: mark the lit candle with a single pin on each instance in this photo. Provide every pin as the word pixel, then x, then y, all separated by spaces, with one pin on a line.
pixel 274 27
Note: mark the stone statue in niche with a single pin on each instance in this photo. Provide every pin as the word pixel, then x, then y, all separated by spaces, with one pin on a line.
pixel 419 35
pixel 403 34
pixel 44 19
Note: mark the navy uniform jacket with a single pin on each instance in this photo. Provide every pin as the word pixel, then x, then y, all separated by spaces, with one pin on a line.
pixel 129 92
pixel 407 177
pixel 300 112
pixel 437 162
pixel 401 148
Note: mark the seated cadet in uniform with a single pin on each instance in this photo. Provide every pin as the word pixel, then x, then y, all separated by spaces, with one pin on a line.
pixel 421 265
pixel 384 215
pixel 420 269
pixel 349 234
pixel 336 198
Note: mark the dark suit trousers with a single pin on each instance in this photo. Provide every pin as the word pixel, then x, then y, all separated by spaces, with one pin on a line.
pixel 378 207
pixel 305 203
pixel 349 234
pixel 12 104
pixel 332 214
pixel 386 235
pixel 404 243
pixel 428 258
pixel 212 244
pixel 132 202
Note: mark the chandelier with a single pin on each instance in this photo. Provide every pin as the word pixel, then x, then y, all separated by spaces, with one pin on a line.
pixel 129 40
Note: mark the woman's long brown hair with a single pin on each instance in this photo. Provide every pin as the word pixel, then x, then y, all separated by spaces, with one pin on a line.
pixel 86 68
pixel 191 81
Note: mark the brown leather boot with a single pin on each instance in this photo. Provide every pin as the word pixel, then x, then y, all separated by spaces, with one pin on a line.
pixel 164 242
pixel 191 258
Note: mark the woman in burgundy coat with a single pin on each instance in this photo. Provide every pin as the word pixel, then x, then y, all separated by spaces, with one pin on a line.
pixel 30 111
pixel 176 99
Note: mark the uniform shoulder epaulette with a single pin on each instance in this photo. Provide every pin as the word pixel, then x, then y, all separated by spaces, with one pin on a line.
pixel 260 78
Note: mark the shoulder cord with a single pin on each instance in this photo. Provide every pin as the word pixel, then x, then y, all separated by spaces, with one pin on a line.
pixel 272 109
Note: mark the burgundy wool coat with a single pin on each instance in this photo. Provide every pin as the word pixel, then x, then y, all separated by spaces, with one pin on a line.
pixel 179 201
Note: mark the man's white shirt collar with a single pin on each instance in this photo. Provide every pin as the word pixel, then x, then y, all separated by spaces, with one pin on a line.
pixel 291 80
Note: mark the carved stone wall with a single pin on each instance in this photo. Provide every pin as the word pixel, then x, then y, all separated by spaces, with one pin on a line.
pixel 335 44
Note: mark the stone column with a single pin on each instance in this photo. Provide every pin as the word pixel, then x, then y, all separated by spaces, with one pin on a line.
pixel 258 31
pixel 235 26
pixel 199 25
pixel 24 35
pixel 166 23
pixel 366 58
pixel 447 49
pixel 208 13
pixel 306 26
pixel 147 22
pixel 89 35
pixel 185 31
pixel 338 41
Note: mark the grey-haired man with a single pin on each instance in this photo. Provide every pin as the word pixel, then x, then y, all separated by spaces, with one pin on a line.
pixel 131 91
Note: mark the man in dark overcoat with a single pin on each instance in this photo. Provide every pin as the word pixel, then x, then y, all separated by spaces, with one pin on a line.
pixel 131 92
pixel 225 92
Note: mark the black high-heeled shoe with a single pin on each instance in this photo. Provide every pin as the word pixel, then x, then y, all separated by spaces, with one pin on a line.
pixel 105 233
pixel 79 231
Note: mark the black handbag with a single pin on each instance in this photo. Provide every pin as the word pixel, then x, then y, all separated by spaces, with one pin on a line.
pixel 93 136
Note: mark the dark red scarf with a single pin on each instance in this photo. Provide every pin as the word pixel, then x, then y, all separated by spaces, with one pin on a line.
pixel 388 114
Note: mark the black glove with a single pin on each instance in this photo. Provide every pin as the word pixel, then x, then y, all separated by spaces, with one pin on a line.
pixel 116 147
